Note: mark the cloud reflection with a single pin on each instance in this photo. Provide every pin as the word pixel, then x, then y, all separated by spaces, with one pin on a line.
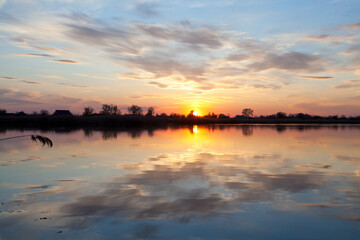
pixel 180 189
pixel 185 182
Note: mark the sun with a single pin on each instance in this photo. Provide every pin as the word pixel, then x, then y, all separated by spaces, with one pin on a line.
pixel 196 113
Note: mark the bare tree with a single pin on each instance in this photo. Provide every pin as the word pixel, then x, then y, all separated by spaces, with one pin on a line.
pixel 281 115
pixel 191 114
pixel 2 111
pixel 211 115
pixel 135 109
pixel 44 112
pixel 150 112
pixel 88 111
pixel 247 112
pixel 110 110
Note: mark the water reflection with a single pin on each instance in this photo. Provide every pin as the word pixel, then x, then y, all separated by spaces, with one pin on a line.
pixel 210 182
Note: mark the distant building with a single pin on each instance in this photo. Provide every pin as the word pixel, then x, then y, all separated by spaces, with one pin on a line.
pixel 62 113
pixel 21 114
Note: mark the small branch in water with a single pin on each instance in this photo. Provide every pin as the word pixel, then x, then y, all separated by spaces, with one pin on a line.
pixel 44 140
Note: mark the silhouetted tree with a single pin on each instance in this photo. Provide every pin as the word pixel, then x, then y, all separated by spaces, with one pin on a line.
pixel 106 109
pixel 176 115
pixel 2 111
pixel 281 115
pixel 247 112
pixel 88 111
pixel 135 109
pixel 302 116
pixel 211 115
pixel 110 110
pixel 191 114
pixel 150 112
pixel 44 112
pixel 221 115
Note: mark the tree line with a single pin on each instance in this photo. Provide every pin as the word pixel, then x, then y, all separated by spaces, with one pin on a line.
pixel 114 110
pixel 247 113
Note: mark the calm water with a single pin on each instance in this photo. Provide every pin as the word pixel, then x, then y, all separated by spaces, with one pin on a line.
pixel 218 182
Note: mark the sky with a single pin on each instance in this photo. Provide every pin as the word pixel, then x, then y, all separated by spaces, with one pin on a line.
pixel 175 56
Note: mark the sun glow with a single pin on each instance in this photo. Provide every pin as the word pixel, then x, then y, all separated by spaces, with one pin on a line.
pixel 196 113
pixel 195 129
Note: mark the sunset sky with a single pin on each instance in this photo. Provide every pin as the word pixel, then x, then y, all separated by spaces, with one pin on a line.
pixel 212 56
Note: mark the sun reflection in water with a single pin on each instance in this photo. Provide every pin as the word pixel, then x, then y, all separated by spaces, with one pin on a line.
pixel 195 129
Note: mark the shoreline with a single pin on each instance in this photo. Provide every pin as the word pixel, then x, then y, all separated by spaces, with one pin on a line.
pixel 139 121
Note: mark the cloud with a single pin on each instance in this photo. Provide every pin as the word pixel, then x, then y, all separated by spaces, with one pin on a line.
pixel 30 100
pixel 12 92
pixel 51 76
pixel 93 76
pixel 290 61
pixel 162 67
pixel 65 61
pixel 131 166
pixel 351 26
pixel 266 86
pixel 146 9
pixel 253 46
pixel 34 55
pixel 160 156
pixel 8 78
pixel 99 34
pixel 7 18
pixel 317 38
pixel 349 84
pixel 30 82
pixel 2 3
pixel 236 57
pixel 186 34
pixel 159 85
pixel 35 187
pixel 354 81
pixel 65 180
pixel 205 87
pixel 316 77
pixel 24 81
pixel 329 108
pixel 73 85
pixel 320 205
pixel 334 39
pixel 314 165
